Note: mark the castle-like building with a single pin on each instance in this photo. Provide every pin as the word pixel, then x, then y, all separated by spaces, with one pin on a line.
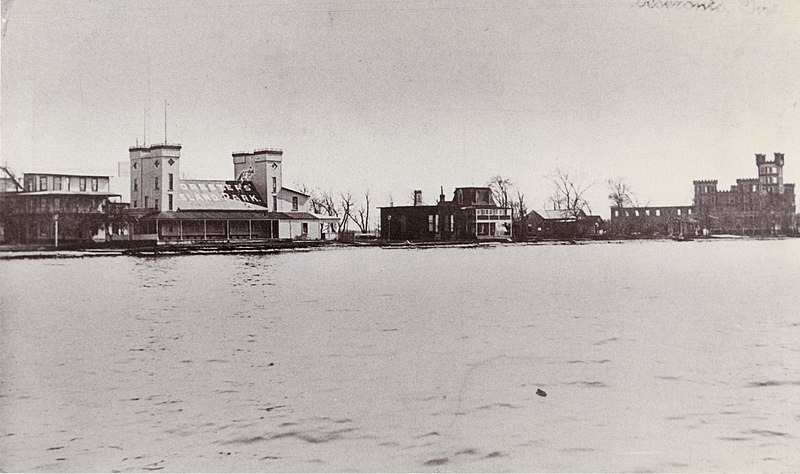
pixel 763 205
pixel 753 206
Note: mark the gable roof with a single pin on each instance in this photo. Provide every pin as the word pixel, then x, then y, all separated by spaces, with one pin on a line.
pixel 284 188
pixel 559 214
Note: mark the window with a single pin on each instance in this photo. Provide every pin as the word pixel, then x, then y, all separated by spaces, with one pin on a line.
pixel 647 212
pixel 679 212
pixel 636 213
pixel 170 183
pixel 57 183
pixel 135 203
pixel 294 203
pixel 304 228
pixel 42 183
pixel 169 201
pixel 275 203
pixel 658 212
pixel 82 184
pixel 452 223
pixel 616 213
pixel 146 198
pixel 135 184
pixel 155 203
pixel 690 210
pixel 274 184
pixel 155 180
pixel 430 223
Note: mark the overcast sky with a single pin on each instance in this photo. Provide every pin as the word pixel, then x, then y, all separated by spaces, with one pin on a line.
pixel 393 96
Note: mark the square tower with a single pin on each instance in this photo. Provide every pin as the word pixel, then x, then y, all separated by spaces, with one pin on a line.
pixel 770 173
pixel 264 168
pixel 155 172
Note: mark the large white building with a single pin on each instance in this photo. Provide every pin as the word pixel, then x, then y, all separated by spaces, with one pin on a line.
pixel 254 205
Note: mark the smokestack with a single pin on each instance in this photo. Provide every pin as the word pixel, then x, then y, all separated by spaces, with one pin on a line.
pixel 417 197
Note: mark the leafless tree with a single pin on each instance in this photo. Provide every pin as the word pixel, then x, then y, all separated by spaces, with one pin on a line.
pixel 329 206
pixel 347 209
pixel 620 193
pixel 519 212
pixel 314 198
pixel 500 188
pixel 362 217
pixel 568 192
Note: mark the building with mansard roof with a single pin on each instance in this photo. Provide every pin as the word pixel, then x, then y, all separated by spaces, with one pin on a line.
pixel 472 214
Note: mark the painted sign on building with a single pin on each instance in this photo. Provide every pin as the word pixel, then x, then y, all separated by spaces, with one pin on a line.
pixel 203 194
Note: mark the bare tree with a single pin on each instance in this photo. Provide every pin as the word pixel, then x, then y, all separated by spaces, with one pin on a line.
pixel 362 217
pixel 620 193
pixel 347 209
pixel 568 192
pixel 328 205
pixel 500 188
pixel 314 198
pixel 519 212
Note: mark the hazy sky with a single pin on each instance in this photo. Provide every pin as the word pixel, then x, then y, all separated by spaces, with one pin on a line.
pixel 393 96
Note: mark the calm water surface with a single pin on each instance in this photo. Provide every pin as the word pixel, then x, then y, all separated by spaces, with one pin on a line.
pixel 657 356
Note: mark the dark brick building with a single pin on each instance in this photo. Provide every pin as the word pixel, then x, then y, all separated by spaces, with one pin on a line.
pixel 754 206
pixel 665 221
pixel 764 205
pixel 561 224
pixel 472 214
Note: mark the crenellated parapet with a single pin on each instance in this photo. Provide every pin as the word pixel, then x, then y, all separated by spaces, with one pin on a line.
pixel 704 186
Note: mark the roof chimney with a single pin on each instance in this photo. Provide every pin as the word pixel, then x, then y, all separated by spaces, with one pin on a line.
pixel 417 197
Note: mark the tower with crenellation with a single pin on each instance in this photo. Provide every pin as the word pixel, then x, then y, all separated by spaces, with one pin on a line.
pixel 155 171
pixel 264 168
pixel 770 173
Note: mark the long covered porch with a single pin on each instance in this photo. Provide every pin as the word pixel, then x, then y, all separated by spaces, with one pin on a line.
pixel 210 226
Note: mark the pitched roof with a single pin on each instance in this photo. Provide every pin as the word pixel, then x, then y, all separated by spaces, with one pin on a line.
pixel 232 215
pixel 284 188
pixel 196 194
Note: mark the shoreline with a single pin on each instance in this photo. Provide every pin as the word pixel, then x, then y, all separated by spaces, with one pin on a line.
pixel 33 252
